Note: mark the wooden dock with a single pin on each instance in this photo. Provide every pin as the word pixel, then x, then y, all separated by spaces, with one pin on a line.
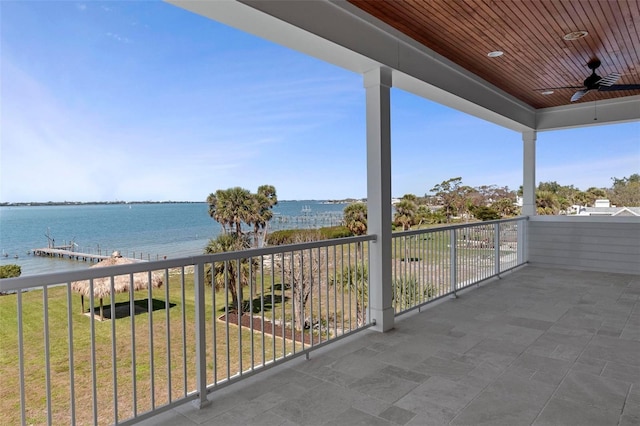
pixel 64 252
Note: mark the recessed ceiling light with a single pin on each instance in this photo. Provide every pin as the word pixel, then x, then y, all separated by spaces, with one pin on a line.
pixel 575 35
pixel 495 53
pixel 547 92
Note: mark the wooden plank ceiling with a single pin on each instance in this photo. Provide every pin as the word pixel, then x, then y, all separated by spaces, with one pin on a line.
pixel 530 33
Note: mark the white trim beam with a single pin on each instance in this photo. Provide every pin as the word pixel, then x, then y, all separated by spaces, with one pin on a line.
pixel 610 111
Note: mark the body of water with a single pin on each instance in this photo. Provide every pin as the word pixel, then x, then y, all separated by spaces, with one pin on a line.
pixel 147 231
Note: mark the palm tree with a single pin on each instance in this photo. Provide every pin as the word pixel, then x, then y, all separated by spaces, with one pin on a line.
pixel 234 206
pixel 238 207
pixel 231 275
pixel 269 191
pixel 405 214
pixel 505 206
pixel 355 218
pixel 261 214
pixel 212 201
pixel 230 208
pixel 355 281
pixel 547 202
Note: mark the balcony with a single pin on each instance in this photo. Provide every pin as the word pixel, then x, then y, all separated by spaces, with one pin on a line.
pixel 554 341
pixel 540 346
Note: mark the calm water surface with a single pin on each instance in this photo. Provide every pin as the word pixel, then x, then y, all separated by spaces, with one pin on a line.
pixel 148 230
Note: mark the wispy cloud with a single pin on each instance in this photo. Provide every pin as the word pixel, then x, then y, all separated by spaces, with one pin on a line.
pixel 118 37
pixel 586 174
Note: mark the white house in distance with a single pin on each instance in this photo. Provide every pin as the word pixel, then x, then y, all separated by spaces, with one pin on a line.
pixel 604 208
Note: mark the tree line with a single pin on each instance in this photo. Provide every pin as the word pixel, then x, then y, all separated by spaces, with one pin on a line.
pixel 237 209
pixel 553 198
pixel 451 200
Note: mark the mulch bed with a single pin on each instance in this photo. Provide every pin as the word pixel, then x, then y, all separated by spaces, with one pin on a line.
pixel 271 328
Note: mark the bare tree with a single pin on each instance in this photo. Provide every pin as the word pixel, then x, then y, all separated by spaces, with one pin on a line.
pixel 301 270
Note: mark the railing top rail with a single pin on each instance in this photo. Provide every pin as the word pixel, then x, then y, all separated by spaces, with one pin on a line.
pixel 457 226
pixel 31 281
pixel 284 248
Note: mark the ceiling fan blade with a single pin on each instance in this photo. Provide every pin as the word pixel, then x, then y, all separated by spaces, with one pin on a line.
pixel 579 94
pixel 620 87
pixel 608 80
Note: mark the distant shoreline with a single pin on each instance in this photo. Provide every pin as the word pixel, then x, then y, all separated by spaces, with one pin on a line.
pixel 90 203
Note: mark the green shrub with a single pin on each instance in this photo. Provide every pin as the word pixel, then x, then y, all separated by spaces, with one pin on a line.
pixel 331 232
pixel 10 271
pixel 294 236
pixel 409 292
pixel 277 238
pixel 485 213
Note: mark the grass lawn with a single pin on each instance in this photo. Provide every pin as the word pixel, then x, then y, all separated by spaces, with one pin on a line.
pixel 158 347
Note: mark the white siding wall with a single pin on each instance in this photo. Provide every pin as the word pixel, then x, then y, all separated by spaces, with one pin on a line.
pixel 608 244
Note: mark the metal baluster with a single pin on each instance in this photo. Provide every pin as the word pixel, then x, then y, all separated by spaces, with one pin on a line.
pixel 251 291
pixel 453 261
pixel 184 332
pixel 328 309
pixel 114 352
pixel 335 290
pixel 262 307
pixel 200 332
pixel 94 380
pixel 226 310
pixel 497 248
pixel 342 270
pixel 132 315
pixel 350 286
pixel 167 306
pixel 23 400
pixel 151 349
pixel 72 392
pixel 273 304
pixel 47 353
pixel 214 322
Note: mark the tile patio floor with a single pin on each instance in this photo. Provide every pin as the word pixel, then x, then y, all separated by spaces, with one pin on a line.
pixel 537 347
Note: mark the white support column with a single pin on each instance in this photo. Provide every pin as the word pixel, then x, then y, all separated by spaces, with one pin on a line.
pixel 529 173
pixel 378 84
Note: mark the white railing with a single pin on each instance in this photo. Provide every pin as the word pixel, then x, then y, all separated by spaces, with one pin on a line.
pixel 151 348
pixel 436 262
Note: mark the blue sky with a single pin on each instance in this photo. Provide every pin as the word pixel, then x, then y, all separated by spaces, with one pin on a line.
pixel 104 101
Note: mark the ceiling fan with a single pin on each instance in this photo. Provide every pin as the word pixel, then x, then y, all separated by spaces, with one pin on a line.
pixel 595 82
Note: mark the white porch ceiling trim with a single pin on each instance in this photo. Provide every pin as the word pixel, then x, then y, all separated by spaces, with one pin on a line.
pixel 594 113
pixel 339 33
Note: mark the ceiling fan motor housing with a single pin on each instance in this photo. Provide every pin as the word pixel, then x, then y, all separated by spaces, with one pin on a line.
pixel 591 82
